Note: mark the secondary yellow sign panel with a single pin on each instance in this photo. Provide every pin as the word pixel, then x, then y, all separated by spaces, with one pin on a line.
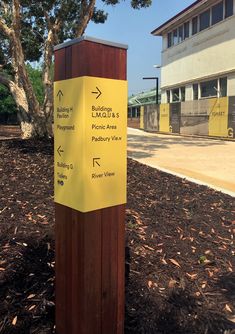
pixel 90 123
pixel 164 123
pixel 142 117
pixel 218 117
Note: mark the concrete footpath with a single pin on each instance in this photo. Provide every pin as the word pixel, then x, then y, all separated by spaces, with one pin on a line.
pixel 205 161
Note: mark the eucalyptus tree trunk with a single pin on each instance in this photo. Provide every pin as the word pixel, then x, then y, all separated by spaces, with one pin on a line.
pixel 35 120
pixel 19 96
pixel 29 113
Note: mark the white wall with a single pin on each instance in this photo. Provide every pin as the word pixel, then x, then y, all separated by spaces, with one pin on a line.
pixel 164 42
pixel 205 54
pixel 163 96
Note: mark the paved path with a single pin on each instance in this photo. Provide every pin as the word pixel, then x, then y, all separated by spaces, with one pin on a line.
pixel 204 161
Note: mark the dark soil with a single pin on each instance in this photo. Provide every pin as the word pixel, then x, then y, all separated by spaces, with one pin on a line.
pixel 179 255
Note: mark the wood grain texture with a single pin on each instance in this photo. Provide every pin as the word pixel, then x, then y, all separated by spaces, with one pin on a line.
pixel 90 246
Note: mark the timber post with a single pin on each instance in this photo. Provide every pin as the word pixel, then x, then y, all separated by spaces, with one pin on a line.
pixel 90 96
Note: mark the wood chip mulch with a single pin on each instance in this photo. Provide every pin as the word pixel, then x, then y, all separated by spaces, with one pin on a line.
pixel 179 252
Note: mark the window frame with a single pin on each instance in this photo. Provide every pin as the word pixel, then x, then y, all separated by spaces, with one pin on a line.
pixel 186 24
pixel 175 42
pixel 215 89
pixel 193 19
pixel 195 89
pixel 169 39
pixel 182 95
pixel 173 94
pixel 225 8
pixel 181 30
pixel 213 8
pixel 220 88
pixel 168 96
pixel 201 28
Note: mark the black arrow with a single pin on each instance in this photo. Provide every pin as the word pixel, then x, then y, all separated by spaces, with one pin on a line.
pixel 59 150
pixel 97 92
pixel 95 162
pixel 60 94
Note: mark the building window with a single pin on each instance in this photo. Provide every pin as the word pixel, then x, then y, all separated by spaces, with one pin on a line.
pixel 168 96
pixel 181 35
pixel 194 25
pixel 169 39
pixel 228 8
pixel 182 92
pixel 175 95
pixel 175 36
pixel 213 15
pixel 217 13
pixel 223 87
pixel 195 91
pixel 209 88
pixel 204 20
pixel 186 30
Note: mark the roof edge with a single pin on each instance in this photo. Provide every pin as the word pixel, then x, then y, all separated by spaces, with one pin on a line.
pixel 90 39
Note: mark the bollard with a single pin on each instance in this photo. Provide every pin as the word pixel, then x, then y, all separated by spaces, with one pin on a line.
pixel 90 121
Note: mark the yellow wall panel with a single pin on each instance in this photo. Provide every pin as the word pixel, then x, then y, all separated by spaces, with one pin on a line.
pixel 164 123
pixel 142 117
pixel 218 117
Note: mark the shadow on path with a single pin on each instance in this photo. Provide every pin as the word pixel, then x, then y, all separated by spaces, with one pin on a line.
pixel 140 146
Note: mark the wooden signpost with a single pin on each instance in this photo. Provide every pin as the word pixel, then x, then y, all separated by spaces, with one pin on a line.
pixel 90 96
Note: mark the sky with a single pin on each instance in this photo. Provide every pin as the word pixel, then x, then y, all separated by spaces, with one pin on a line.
pixel 133 27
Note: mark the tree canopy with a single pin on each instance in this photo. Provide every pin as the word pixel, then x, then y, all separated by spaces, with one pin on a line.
pixel 29 29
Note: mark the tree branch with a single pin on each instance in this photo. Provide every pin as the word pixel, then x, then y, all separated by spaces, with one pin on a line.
pixel 51 40
pixel 86 15
pixel 48 22
pixel 16 16
pixel 5 29
pixel 5 7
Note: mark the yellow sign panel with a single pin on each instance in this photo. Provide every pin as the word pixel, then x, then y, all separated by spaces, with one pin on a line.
pixel 164 122
pixel 218 117
pixel 90 124
pixel 142 117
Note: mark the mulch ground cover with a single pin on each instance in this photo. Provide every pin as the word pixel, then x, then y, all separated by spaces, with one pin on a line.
pixel 179 249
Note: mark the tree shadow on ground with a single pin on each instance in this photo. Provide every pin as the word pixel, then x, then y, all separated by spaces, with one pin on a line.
pixel 27 286
pixel 227 284
pixel 169 140
pixel 30 146
pixel 151 309
pixel 179 313
pixel 147 146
